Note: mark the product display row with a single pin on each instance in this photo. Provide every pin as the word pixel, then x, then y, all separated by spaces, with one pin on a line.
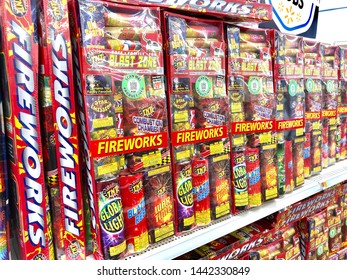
pixel 312 229
pixel 127 125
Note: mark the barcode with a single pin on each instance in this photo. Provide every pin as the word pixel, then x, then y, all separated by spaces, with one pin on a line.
pixel 203 87
pixel 133 86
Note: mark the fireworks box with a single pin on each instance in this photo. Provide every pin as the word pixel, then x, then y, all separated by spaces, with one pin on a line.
pixel 19 55
pixel 330 92
pixel 334 227
pixel 343 205
pixel 235 244
pixel 271 251
pixel 341 147
pixel 313 108
pixel 291 241
pixel 290 105
pixel 198 109
pixel 314 236
pixel 252 107
pixel 118 60
pixel 241 10
pixel 305 207
pixel 4 221
pixel 60 132
pixel 342 254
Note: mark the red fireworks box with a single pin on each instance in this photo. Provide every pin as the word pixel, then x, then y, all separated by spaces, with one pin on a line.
pixel 252 106
pixel 341 147
pixel 313 107
pixel 118 62
pixel 330 61
pixel 198 109
pixel 19 60
pixel 57 72
pixel 290 98
pixel 240 10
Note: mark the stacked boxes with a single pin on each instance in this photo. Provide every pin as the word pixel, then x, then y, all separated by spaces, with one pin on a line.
pixel 252 107
pixel 123 116
pixel 313 108
pixel 314 237
pixel 290 105
pixel 19 55
pixel 198 108
pixel 329 111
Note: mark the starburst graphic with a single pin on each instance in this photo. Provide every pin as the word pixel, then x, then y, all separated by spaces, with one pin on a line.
pixel 280 6
pixel 298 17
pixel 290 14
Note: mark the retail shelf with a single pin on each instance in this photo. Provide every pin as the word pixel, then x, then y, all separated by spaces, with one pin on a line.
pixel 175 246
pixel 331 175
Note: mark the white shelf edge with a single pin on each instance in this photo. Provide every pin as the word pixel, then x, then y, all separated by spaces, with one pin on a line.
pixel 175 246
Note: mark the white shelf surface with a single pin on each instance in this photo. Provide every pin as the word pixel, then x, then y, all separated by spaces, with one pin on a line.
pixel 175 246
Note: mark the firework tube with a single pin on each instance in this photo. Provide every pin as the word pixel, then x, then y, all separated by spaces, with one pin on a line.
pixel 332 145
pixel 253 176
pixel 201 191
pixel 111 219
pixel 134 212
pixel 254 38
pixel 239 179
pixel 123 45
pixel 203 31
pixel 269 173
pixel 184 196
pixel 219 170
pixel 159 203
pixel 288 166
pixel 177 35
pixel 298 161
pixel 281 169
pixel 126 33
pixel 307 155
pixel 200 42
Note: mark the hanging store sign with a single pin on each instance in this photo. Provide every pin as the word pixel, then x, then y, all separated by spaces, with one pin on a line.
pixel 294 16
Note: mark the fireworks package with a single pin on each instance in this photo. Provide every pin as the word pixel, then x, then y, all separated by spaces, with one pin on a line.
pixel 290 105
pixel 159 203
pixel 343 205
pixel 198 107
pixel 342 107
pixel 235 244
pixel 4 221
pixel 252 112
pixel 334 227
pixel 313 107
pixel 60 131
pixel 291 241
pixel 330 98
pixel 220 191
pixel 271 251
pixel 123 118
pixel 314 237
pixel 19 58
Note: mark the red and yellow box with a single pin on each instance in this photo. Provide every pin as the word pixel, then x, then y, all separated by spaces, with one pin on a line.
pixel 19 60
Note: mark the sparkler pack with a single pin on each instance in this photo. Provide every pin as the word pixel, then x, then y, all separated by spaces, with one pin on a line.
pixel 341 144
pixel 19 58
pixel 330 103
pixel 313 108
pixel 290 106
pixel 198 110
pixel 252 107
pixel 118 60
